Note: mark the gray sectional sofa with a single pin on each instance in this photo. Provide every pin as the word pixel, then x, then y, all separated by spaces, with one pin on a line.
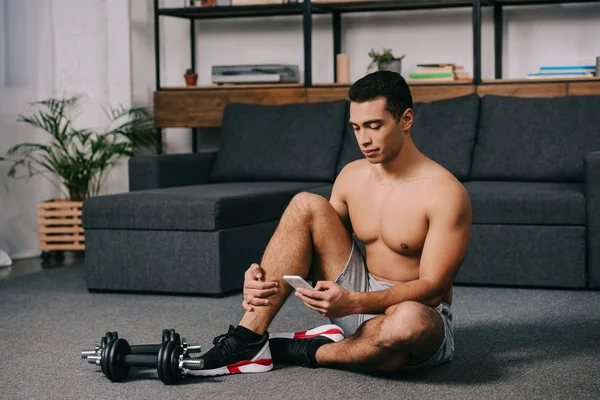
pixel 193 223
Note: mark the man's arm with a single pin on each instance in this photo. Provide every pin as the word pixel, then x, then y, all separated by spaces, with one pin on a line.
pixel 338 197
pixel 443 253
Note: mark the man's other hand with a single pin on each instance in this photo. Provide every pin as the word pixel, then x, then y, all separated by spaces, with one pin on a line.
pixel 328 298
pixel 256 290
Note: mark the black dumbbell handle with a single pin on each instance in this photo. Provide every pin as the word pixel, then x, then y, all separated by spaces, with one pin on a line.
pixel 141 360
pixel 145 349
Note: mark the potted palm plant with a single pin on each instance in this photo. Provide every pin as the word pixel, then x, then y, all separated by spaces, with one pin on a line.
pixel 76 161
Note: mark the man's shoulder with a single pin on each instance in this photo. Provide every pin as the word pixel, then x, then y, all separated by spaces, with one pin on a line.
pixel 352 170
pixel 447 192
pixel 355 165
pixel 348 177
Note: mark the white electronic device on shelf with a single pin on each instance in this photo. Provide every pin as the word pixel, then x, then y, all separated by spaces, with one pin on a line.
pixel 255 73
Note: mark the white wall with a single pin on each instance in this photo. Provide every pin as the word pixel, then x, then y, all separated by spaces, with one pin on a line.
pixel 32 79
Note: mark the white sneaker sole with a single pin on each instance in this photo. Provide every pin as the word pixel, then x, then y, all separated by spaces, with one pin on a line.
pixel 330 331
pixel 262 362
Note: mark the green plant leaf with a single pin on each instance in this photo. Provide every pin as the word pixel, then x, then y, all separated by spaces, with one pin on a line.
pixel 79 158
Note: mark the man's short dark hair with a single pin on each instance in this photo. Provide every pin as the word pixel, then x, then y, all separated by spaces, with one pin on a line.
pixel 387 84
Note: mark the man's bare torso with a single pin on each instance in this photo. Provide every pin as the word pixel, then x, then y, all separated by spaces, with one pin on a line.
pixel 391 219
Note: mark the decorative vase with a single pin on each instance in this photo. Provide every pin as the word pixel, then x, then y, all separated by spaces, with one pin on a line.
pixel 394 65
pixel 191 79
pixel 60 226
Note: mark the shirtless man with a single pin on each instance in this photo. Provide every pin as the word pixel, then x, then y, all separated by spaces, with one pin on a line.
pixel 391 305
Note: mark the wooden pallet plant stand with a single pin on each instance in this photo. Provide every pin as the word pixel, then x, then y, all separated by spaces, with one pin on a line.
pixel 60 226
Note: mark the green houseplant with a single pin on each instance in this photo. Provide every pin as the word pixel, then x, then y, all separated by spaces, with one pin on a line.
pixel 77 161
pixel 385 61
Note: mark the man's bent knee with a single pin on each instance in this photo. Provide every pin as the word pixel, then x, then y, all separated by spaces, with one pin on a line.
pixel 308 204
pixel 406 325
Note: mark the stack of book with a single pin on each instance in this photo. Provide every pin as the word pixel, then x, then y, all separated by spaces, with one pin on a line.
pixel 563 72
pixel 439 73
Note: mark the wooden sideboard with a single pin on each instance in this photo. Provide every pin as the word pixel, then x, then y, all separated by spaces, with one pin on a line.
pixel 202 106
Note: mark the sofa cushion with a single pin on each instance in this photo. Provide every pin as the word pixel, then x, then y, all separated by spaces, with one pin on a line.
pixel 535 139
pixel 299 142
pixel 525 203
pixel 202 207
pixel 445 131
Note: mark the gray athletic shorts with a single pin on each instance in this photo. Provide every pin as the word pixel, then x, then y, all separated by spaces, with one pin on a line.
pixel 356 278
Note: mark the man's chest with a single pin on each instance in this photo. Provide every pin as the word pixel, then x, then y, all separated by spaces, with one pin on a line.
pixel 396 216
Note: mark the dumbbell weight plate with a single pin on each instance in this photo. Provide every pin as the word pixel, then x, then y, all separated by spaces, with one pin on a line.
pixel 168 362
pixel 112 362
pixel 109 336
pixel 170 334
pixel 175 336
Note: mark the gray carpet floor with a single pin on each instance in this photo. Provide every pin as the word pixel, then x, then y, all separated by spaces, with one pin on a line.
pixel 510 344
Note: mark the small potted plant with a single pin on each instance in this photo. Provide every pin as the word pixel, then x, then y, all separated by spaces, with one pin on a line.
pixel 385 61
pixel 190 77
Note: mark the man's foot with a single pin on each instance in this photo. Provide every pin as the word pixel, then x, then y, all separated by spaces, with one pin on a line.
pixel 239 351
pixel 300 348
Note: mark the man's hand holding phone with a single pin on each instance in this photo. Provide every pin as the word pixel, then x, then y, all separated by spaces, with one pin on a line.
pixel 327 298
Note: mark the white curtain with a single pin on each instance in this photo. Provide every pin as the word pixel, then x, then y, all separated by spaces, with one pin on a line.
pixel 27 73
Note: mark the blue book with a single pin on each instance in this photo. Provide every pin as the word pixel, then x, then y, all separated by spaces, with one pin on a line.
pixel 559 73
pixel 569 67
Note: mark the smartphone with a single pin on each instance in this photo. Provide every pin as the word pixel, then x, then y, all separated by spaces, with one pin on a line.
pixel 297 281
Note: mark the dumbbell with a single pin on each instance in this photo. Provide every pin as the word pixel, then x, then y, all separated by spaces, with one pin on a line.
pixel 167 334
pixel 98 347
pixel 116 359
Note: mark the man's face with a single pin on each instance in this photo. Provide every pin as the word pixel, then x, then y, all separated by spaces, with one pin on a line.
pixel 378 134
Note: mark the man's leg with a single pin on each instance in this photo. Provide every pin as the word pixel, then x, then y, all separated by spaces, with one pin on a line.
pixel 310 236
pixel 408 334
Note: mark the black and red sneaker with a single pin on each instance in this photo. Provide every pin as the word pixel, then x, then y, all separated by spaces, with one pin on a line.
pixel 239 351
pixel 300 348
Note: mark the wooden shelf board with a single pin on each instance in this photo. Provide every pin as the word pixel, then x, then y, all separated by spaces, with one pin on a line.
pixel 240 86
pixel 250 10
pixel 410 83
pixel 549 80
pixel 539 2
pixel 414 82
pixel 387 5
pixel 203 106
pixel 333 84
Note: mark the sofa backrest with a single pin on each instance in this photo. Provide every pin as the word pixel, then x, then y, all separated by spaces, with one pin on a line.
pixel 535 139
pixel 292 142
pixel 443 130
pixel 350 150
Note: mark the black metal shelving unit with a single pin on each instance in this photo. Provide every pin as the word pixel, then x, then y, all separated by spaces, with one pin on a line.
pixel 308 9
pixel 498 24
